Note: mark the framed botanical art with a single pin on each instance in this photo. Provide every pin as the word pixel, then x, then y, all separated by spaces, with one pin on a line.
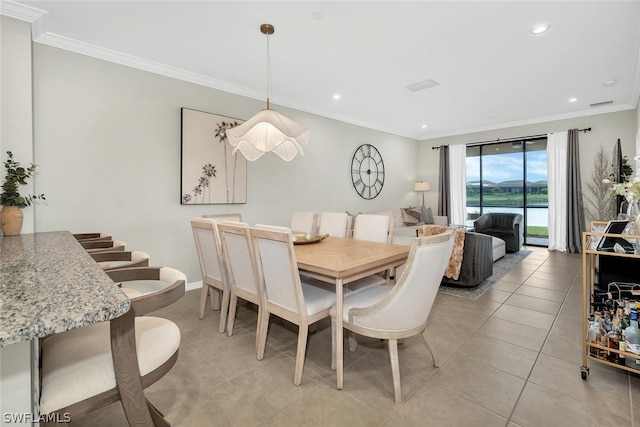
pixel 210 173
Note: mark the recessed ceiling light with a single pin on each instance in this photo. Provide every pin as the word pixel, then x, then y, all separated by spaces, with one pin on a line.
pixel 573 99
pixel 540 28
pixel 424 126
pixel 336 96
pixel 317 16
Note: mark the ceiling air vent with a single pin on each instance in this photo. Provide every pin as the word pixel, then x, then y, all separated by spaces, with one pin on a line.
pixel 426 84
pixel 600 104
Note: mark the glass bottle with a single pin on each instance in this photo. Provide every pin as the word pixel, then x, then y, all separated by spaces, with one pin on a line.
pixel 632 340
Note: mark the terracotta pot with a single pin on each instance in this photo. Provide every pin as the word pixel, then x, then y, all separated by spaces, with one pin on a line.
pixel 11 220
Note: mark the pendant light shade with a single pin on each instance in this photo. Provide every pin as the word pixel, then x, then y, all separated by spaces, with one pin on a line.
pixel 268 130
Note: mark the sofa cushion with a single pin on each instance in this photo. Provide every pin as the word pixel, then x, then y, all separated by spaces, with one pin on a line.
pixel 411 216
pixel 426 215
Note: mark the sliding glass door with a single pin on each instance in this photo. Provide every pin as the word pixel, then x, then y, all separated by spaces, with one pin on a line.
pixel 510 177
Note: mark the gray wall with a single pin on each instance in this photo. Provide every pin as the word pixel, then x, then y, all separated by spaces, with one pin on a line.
pixel 107 138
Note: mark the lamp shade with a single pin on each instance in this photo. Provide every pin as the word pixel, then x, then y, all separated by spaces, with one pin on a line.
pixel 268 131
pixel 422 186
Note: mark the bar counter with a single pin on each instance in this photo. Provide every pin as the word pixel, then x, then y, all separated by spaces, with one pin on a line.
pixel 50 284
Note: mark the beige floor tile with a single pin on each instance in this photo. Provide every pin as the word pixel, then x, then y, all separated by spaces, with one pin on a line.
pixel 433 407
pixel 534 304
pixel 483 385
pixel 525 316
pixel 548 294
pixel 514 333
pixel 496 295
pixel 501 355
pixel 565 347
pixel 556 285
pixel 507 285
pixel 540 406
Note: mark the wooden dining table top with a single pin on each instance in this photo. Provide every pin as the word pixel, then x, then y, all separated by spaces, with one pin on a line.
pixel 348 259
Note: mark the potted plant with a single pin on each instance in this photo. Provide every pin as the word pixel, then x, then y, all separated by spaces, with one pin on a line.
pixel 10 198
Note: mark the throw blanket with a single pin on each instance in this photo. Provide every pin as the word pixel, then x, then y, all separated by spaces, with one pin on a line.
pixel 455 261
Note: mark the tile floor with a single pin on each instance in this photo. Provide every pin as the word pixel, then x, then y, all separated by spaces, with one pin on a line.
pixel 510 358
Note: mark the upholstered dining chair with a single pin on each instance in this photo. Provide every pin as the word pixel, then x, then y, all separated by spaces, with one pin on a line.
pixel 232 216
pixel 334 224
pixel 87 237
pixel 240 262
pixel 120 259
pixel 215 283
pixel 374 228
pixel 91 367
pixel 303 222
pixel 286 293
pixel 401 311
pixel 93 246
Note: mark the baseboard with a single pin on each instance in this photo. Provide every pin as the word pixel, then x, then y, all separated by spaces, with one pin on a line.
pixel 193 285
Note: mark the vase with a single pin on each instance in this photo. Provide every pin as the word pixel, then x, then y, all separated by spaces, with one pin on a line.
pixel 633 215
pixel 11 220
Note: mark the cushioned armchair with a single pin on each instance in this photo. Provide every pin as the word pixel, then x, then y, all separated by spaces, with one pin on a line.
pixel 506 226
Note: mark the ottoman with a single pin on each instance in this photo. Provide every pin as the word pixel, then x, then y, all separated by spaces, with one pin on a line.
pixel 499 248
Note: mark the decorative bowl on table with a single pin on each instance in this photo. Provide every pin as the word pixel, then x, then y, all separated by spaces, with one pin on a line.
pixel 306 238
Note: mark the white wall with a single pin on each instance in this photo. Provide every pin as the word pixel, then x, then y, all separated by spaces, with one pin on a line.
pixel 107 138
pixel 605 131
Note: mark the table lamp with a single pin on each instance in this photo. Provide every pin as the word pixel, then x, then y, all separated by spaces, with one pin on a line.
pixel 421 187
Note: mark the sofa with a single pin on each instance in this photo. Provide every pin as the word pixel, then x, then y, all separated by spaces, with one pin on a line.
pixel 506 226
pixel 477 258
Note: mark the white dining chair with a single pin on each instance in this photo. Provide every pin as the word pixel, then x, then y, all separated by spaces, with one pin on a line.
pixel 286 293
pixel 240 261
pixel 374 228
pixel 401 311
pixel 232 216
pixel 303 222
pixel 334 224
pixel 214 275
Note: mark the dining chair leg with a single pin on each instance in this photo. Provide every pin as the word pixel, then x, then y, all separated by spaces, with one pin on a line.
pixel 214 295
pixel 233 305
pixel 353 341
pixel 303 332
pixel 203 300
pixel 433 353
pixel 395 369
pixel 157 416
pixel 333 344
pixel 258 326
pixel 262 334
pixel 224 309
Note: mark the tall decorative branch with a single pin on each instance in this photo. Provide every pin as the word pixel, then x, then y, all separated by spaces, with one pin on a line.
pixel 599 204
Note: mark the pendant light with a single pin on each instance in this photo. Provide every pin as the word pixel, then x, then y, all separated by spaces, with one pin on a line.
pixel 268 130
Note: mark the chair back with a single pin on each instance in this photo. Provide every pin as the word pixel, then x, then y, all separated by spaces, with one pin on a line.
pixel 278 269
pixel 303 222
pixel 334 224
pixel 240 261
pixel 409 303
pixel 374 228
pixel 233 216
pixel 207 239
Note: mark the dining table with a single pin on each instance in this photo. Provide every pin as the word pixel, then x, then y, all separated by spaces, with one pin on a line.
pixel 341 261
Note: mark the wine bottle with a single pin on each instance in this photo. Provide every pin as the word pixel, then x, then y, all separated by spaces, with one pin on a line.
pixel 632 340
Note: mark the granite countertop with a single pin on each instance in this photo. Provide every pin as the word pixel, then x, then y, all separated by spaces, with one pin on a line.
pixel 50 284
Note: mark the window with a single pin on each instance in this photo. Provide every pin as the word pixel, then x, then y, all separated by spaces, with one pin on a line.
pixel 510 177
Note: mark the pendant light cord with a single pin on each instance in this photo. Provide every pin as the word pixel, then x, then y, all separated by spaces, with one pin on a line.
pixel 268 71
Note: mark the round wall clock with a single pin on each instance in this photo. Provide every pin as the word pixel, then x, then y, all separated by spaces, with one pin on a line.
pixel 367 171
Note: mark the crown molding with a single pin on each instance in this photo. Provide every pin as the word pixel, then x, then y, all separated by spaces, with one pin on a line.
pixel 20 11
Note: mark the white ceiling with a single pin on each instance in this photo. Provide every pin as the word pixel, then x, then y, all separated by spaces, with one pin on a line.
pixel 492 72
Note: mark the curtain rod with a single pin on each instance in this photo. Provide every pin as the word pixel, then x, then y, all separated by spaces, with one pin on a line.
pixel 523 138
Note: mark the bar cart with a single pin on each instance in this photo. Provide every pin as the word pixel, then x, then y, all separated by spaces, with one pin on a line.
pixel 593 254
